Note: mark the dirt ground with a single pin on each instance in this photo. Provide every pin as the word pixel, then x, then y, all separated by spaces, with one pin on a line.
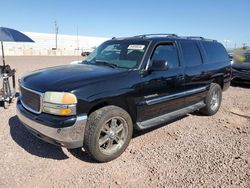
pixel 194 151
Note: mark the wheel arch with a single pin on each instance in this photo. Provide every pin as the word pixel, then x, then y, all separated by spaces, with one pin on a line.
pixel 122 103
pixel 219 81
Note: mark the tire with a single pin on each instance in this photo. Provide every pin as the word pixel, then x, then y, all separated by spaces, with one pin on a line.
pixel 107 133
pixel 213 100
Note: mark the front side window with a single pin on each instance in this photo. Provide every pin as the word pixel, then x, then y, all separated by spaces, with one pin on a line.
pixel 166 52
pixel 123 54
pixel 191 53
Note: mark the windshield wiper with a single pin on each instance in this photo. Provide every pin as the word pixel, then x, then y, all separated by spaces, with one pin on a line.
pixel 106 63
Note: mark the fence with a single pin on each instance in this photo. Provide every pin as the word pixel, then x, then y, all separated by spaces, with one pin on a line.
pixel 68 45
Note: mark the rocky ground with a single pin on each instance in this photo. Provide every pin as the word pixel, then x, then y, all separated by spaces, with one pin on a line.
pixel 194 151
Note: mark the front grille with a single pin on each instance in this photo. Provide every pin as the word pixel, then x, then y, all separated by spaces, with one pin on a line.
pixel 31 100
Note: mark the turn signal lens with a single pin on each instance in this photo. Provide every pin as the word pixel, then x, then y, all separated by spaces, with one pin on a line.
pixel 69 98
pixel 65 111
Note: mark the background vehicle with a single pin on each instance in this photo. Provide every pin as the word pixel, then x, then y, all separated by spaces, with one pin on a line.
pixel 125 84
pixel 231 57
pixel 84 54
pixel 241 69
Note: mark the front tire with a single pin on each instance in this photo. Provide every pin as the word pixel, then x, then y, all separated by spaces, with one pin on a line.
pixel 107 133
pixel 213 100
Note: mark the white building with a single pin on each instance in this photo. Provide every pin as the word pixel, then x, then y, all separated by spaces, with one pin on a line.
pixel 45 44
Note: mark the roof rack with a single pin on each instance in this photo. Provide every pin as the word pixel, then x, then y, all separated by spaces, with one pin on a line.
pixel 195 37
pixel 158 34
pixel 200 38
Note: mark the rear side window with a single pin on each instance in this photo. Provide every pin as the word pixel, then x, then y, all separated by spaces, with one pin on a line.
pixel 168 53
pixel 191 53
pixel 215 52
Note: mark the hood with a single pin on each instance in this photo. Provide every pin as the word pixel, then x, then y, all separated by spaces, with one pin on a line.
pixel 240 65
pixel 68 77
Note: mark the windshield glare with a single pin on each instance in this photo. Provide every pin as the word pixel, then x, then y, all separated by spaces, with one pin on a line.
pixel 123 54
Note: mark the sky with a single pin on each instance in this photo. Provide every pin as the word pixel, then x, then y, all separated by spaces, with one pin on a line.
pixel 227 21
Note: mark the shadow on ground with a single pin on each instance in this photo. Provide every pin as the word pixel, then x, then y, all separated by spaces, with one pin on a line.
pixel 32 144
pixel 37 147
pixel 82 155
pixel 242 85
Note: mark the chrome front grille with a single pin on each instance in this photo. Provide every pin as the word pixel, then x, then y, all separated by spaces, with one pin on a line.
pixel 31 100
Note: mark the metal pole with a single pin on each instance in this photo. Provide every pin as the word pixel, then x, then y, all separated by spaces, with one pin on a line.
pixel 56 32
pixel 77 43
pixel 77 39
pixel 3 55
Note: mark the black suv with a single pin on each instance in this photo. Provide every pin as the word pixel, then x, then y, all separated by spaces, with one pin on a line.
pixel 241 69
pixel 125 84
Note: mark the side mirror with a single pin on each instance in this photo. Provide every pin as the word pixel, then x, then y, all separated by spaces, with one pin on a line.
pixel 158 65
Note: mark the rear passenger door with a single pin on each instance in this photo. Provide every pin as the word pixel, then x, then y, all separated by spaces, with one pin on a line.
pixel 195 85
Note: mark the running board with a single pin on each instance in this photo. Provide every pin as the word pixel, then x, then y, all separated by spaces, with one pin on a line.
pixel 168 117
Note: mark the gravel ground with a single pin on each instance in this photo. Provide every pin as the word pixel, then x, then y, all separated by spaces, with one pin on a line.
pixel 194 151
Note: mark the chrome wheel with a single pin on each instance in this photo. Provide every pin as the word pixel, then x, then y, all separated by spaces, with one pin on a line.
pixel 113 135
pixel 214 100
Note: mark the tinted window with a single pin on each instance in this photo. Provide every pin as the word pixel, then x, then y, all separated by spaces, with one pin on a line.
pixel 191 53
pixel 168 53
pixel 215 52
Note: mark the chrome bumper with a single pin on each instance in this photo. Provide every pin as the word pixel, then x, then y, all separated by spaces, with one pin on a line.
pixel 69 137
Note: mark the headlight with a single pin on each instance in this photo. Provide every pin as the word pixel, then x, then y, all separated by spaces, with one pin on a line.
pixel 59 103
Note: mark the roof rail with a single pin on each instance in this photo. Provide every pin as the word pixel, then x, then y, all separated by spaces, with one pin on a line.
pixel 158 34
pixel 200 38
pixel 195 37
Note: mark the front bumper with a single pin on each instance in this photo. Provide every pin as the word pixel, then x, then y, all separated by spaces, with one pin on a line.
pixel 69 137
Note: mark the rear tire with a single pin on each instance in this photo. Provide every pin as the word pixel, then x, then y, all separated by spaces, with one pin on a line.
pixel 213 100
pixel 107 133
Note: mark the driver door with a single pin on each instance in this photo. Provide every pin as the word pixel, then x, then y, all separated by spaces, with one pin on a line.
pixel 161 90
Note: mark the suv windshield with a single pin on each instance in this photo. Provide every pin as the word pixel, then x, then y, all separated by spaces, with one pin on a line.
pixel 121 54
